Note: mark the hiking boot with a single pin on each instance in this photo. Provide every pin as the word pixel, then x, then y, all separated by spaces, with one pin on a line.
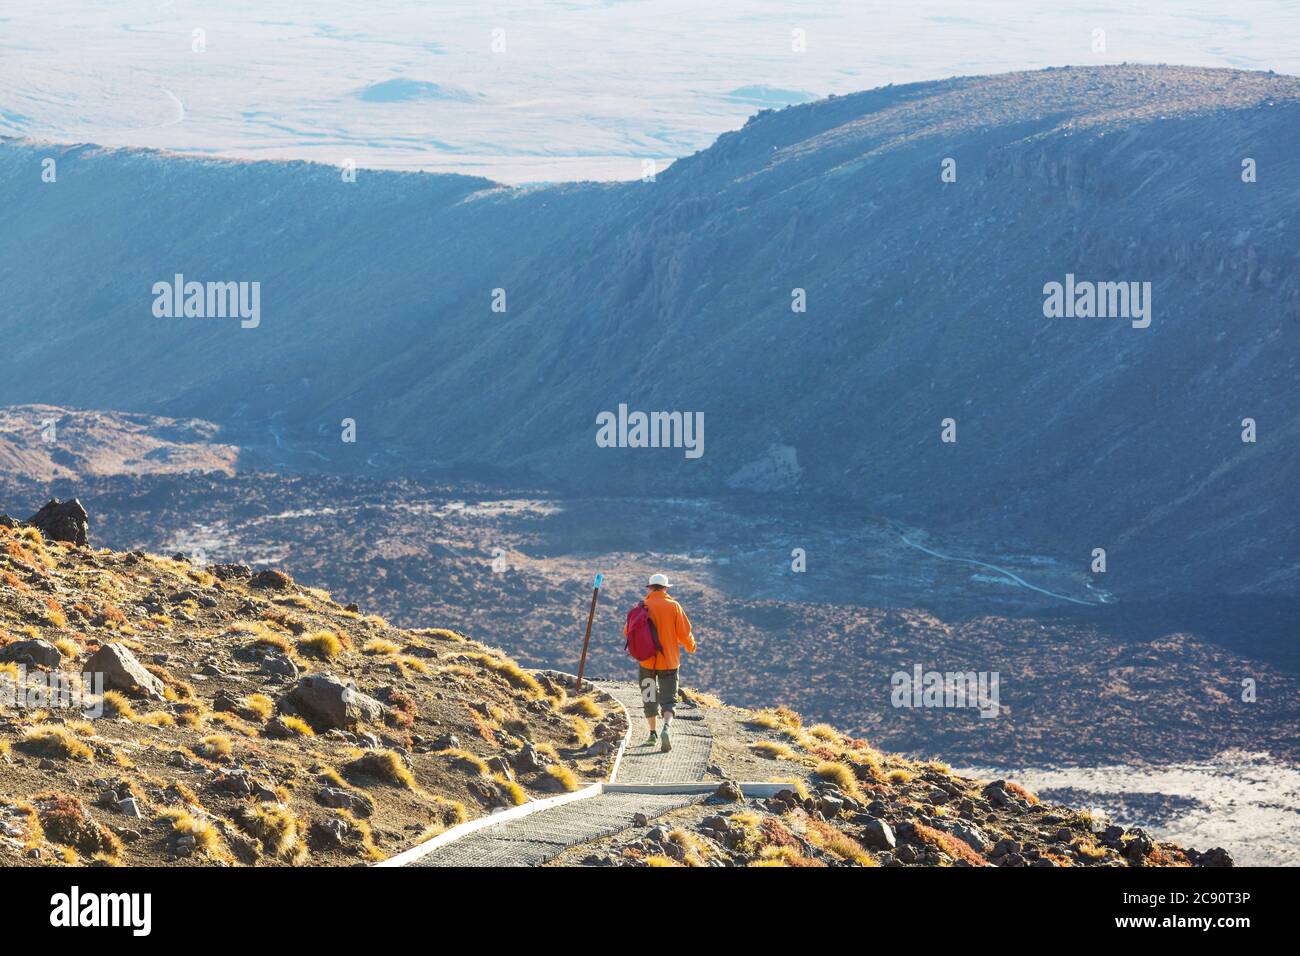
pixel 665 742
pixel 651 740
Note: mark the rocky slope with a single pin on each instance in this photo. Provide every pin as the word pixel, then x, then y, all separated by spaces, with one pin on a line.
pixel 924 302
pixel 848 804
pixel 246 719
pixel 47 443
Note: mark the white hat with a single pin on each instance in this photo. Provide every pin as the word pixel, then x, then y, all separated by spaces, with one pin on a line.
pixel 658 579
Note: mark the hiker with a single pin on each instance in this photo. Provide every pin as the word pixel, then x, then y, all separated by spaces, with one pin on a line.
pixel 659 628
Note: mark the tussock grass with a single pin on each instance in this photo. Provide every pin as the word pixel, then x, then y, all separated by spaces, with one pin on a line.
pixel 564 775
pixel 899 776
pixel 213 746
pixel 1088 849
pixel 385 765
pixel 1022 793
pixel 380 645
pixel 585 707
pixel 324 645
pixel 828 837
pixel 414 663
pixel 67 647
pixel 464 760
pixel 827 733
pixel 700 698
pixel 840 774
pixel 773 750
pixel 581 731
pixel 696 854
pixel 116 704
pixel 54 742
pixel 297 726
pixel 764 719
pixel 157 718
pixel 230 721
pixel 207 840
pixel 957 849
pixel 276 828
pixel 659 859
pixel 510 672
pixel 260 704
pixel 513 792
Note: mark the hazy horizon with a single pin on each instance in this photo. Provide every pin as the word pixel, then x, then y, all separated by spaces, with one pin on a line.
pixel 574 90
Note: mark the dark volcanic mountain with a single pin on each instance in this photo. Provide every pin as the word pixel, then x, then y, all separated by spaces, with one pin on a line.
pixel 924 302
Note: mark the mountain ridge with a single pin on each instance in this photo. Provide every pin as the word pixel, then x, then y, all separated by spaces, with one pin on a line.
pixel 1079 170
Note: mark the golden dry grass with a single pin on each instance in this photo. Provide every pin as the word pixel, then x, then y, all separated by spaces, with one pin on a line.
pixel 324 645
pixel 513 792
pixel 384 765
pixel 585 707
pixel 828 837
pixel 773 750
pixel 841 775
pixel 213 746
pixel 510 672
pixel 277 829
pixel 116 704
pixel 54 742
pixel 260 704
pixel 297 726
pixel 207 839
pixel 465 760
pixel 566 777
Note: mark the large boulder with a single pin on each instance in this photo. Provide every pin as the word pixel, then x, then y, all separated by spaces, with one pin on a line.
pixel 334 702
pixel 39 652
pixel 62 521
pixel 878 835
pixel 123 672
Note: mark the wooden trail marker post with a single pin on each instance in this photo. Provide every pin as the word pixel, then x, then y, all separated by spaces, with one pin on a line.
pixel 582 661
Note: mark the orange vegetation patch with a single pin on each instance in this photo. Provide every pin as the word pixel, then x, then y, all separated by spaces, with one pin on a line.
pixel 955 848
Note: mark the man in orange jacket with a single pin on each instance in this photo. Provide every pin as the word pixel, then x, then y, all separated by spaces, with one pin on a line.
pixel 658 674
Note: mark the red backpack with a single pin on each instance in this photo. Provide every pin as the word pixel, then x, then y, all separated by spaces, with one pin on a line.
pixel 642 638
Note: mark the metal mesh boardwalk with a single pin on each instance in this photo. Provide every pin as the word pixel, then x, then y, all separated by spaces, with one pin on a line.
pixel 541 836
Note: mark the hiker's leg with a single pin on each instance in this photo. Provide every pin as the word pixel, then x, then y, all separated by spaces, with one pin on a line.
pixel 667 694
pixel 649 695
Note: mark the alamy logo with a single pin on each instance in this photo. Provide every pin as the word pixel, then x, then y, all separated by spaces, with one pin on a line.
pixel 39 690
pixel 209 300
pixel 923 688
pixel 75 908
pixel 1099 300
pixel 651 430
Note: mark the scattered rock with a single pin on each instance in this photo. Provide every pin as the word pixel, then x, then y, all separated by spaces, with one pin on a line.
pixel 1215 857
pixel 730 791
pixel 123 672
pixel 278 664
pixel 334 702
pixel 528 759
pixel 878 835
pixel 331 833
pixel 37 652
pixel 65 521
pixel 271 580
pixel 341 799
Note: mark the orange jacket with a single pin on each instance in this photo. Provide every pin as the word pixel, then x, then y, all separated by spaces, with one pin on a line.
pixel 674 629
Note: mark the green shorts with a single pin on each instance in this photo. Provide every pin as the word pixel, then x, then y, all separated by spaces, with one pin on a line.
pixel 658 690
